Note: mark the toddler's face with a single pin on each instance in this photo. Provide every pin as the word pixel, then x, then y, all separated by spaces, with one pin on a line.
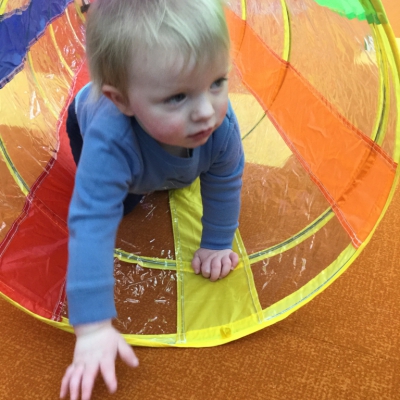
pixel 177 104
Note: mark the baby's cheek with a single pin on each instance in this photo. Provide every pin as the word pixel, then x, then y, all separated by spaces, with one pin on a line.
pixel 171 129
pixel 176 125
pixel 222 111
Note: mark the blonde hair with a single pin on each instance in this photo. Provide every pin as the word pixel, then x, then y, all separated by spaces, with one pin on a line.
pixel 117 31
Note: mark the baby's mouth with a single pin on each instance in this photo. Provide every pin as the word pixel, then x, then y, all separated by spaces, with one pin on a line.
pixel 202 134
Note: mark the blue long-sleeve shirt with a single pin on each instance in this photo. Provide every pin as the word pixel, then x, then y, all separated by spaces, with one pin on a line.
pixel 118 157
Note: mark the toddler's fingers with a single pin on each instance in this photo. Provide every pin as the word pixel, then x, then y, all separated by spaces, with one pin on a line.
pixel 107 368
pixel 196 264
pixel 65 381
pixel 75 381
pixel 234 260
pixel 127 354
pixel 226 266
pixel 206 268
pixel 215 269
pixel 89 376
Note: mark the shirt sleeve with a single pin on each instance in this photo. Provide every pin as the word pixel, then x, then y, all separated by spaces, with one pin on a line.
pixel 101 184
pixel 220 189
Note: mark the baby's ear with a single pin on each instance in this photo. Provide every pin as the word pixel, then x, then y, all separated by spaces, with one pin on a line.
pixel 117 98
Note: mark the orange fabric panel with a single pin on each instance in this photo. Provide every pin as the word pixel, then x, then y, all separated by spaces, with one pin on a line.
pixel 353 173
pixel 262 71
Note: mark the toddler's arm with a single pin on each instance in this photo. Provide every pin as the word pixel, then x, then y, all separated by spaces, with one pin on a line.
pixel 214 264
pixel 97 346
pixel 220 190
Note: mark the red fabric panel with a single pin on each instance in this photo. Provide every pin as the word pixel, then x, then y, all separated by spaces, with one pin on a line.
pixel 34 253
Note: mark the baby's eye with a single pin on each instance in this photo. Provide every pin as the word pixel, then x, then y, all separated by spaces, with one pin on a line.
pixel 177 98
pixel 218 83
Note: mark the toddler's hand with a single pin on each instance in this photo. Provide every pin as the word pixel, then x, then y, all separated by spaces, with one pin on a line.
pixel 97 346
pixel 214 264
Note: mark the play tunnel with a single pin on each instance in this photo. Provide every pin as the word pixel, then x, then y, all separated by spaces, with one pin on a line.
pixel 315 86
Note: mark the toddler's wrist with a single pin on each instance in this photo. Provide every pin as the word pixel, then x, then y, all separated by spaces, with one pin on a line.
pixel 86 329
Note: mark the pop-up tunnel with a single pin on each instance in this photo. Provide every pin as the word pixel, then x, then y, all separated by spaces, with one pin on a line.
pixel 315 85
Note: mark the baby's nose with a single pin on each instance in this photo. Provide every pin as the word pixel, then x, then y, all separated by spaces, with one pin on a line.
pixel 203 110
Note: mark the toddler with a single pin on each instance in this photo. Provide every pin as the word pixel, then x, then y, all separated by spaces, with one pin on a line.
pixel 155 116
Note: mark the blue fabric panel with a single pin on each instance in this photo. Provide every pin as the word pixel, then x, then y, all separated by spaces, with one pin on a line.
pixel 20 31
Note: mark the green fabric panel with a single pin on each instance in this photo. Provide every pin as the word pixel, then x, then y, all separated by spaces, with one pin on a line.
pixel 360 9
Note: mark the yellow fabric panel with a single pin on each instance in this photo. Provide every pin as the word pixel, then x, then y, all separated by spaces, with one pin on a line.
pixel 213 304
pixel 186 209
pixel 247 109
pixel 259 138
pixel 22 106
pixel 234 296
pixel 24 128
